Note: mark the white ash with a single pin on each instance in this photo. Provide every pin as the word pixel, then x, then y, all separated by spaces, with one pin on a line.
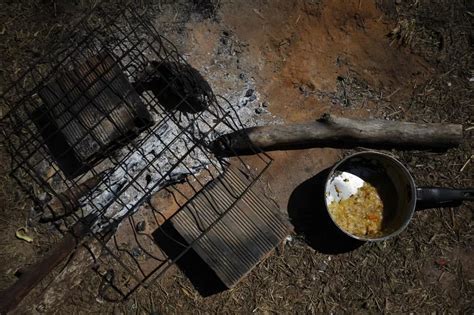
pixel 146 172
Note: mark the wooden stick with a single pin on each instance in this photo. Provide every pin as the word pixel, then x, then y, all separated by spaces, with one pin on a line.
pixel 13 295
pixel 339 132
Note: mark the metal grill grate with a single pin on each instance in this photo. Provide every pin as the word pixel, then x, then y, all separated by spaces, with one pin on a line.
pixel 97 128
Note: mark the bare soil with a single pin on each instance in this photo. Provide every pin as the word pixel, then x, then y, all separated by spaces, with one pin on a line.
pixel 409 61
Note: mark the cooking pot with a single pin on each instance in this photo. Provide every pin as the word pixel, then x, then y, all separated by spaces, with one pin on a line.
pixel 395 186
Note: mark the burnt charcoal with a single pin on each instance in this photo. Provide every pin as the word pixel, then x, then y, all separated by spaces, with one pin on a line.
pixel 141 226
pixel 136 252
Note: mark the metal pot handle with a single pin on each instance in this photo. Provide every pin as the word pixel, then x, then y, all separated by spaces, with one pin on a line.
pixel 433 197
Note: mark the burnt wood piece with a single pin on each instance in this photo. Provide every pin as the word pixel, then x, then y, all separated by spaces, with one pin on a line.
pixel 92 108
pixel 176 86
pixel 237 240
pixel 339 132
pixel 13 295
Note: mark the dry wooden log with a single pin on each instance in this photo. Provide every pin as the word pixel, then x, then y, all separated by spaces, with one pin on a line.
pixel 339 132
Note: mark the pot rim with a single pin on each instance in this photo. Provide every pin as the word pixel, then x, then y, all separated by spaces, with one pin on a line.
pixel 412 191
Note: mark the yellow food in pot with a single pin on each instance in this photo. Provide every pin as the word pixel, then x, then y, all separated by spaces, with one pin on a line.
pixel 361 214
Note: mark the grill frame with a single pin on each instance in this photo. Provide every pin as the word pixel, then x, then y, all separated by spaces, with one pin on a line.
pixel 133 38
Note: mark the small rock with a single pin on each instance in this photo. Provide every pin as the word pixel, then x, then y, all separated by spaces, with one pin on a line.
pixel 136 252
pixel 252 98
pixel 140 227
pixel 265 104
pixel 258 110
pixel 249 93
pixel 242 76
pixel 398 1
pixel 243 102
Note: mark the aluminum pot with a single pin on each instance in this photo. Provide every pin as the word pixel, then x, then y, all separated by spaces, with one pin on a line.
pixel 395 185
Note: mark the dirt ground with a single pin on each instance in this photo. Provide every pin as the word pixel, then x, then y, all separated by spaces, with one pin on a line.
pixel 398 60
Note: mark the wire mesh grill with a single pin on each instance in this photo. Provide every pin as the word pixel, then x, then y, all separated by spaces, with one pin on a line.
pixel 97 128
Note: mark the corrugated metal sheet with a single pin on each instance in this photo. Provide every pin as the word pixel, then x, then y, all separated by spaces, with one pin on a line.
pixel 92 106
pixel 237 239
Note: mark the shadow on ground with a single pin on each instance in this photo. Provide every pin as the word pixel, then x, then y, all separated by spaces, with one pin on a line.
pixel 310 218
pixel 199 273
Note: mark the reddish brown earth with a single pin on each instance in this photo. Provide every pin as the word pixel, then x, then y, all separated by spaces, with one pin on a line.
pixel 305 58
pixel 298 45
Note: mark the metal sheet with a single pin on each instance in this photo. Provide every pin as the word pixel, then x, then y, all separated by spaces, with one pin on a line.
pixel 238 239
